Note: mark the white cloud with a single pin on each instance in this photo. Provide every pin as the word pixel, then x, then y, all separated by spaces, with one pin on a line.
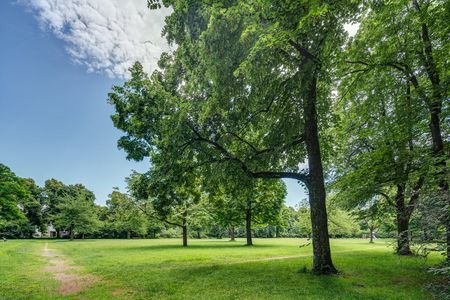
pixel 106 36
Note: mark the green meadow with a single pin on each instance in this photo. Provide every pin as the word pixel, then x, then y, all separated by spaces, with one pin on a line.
pixel 207 269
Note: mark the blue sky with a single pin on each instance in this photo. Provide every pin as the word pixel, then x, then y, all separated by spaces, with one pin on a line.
pixel 54 117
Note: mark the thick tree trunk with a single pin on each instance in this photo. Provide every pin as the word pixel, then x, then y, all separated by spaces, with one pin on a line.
pixel 231 232
pixel 198 234
pixel 277 231
pixel 184 227
pixel 82 236
pixel 438 151
pixel 248 223
pixel 403 236
pixel 128 234
pixel 322 263
pixel 402 223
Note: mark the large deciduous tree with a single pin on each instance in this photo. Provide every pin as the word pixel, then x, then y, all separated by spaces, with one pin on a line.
pixel 410 41
pixel 247 89
pixel 381 147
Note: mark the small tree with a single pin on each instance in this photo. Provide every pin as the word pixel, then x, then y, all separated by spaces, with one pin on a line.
pixel 163 198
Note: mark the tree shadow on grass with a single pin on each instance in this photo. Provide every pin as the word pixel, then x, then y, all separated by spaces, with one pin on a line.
pixel 263 280
pixel 197 246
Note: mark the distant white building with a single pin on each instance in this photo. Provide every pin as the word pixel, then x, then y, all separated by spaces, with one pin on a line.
pixel 52 233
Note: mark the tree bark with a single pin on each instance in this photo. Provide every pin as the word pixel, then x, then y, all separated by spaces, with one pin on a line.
pixel 71 233
pixel 248 223
pixel 322 263
pixel 371 234
pixel 231 232
pixel 402 222
pixel 128 234
pixel 184 227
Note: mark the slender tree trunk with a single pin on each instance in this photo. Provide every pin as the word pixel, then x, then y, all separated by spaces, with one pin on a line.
pixel 322 263
pixel 371 234
pixel 248 223
pixel 231 232
pixel 277 231
pixel 82 236
pixel 128 234
pixel 184 227
pixel 71 233
pixel 198 234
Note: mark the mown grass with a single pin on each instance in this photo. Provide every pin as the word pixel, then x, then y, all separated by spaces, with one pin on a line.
pixel 215 269
pixel 21 271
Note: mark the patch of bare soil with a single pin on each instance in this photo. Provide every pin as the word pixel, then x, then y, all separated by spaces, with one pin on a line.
pixel 119 292
pixel 71 281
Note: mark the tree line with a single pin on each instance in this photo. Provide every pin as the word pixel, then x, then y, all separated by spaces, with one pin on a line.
pixel 57 210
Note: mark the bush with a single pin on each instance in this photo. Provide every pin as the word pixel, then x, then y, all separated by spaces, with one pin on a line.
pixel 170 233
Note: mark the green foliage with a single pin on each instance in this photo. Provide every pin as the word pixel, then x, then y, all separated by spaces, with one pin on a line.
pixel 12 191
pixel 77 212
pixel 391 148
pixel 124 215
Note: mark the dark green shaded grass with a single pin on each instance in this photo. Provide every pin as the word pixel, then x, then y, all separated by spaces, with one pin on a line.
pixel 218 269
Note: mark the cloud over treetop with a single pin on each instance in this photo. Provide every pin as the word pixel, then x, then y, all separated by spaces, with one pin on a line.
pixel 106 36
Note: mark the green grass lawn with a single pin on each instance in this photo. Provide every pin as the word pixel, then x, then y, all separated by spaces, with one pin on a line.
pixel 213 269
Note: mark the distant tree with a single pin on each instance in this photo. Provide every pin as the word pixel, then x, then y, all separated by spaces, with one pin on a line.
pixel 33 207
pixel 124 215
pixel 164 199
pixel 342 223
pixel 225 210
pixel 372 216
pixel 200 218
pixel 288 220
pixel 264 203
pixel 76 212
pixel 236 199
pixel 54 191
